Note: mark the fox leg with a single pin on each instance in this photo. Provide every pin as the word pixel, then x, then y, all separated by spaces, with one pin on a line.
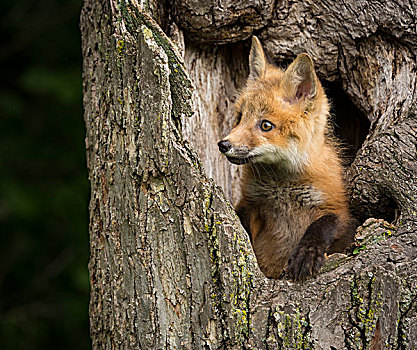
pixel 244 215
pixel 308 256
pixel 344 237
pixel 251 220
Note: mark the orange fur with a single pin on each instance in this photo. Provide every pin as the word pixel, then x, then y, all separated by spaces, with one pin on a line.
pixel 294 175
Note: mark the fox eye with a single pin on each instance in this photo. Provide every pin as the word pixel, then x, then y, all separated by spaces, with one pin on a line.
pixel 266 125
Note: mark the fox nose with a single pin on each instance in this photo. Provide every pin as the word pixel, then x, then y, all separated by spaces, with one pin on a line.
pixel 224 146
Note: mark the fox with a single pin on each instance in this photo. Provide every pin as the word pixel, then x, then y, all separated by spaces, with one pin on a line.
pixel 293 202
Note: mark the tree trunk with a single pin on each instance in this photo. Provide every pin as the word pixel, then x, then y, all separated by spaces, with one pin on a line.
pixel 171 266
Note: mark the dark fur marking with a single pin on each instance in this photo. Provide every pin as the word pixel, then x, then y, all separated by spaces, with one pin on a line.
pixel 343 238
pixel 308 257
pixel 244 217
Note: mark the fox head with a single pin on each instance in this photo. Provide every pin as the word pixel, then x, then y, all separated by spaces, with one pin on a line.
pixel 281 116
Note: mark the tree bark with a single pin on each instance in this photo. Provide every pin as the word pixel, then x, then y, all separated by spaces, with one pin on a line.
pixel 171 266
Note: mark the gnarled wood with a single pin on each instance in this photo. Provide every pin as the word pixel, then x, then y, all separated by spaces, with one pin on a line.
pixel 171 267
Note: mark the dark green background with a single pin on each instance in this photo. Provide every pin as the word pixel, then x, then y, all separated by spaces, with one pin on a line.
pixel 44 191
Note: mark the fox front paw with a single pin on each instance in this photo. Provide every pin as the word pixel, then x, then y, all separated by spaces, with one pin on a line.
pixel 305 261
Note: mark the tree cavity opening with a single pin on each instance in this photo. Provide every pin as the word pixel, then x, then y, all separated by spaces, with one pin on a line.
pixel 350 125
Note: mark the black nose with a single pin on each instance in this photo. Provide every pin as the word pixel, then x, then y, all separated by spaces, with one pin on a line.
pixel 224 146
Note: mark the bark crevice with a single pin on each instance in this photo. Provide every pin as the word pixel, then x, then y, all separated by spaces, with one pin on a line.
pixel 171 266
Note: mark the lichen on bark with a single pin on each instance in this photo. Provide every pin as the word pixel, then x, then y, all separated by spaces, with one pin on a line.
pixel 171 267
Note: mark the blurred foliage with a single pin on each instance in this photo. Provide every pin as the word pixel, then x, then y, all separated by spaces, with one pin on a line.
pixel 44 281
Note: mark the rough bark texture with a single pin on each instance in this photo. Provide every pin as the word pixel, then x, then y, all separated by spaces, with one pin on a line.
pixel 222 21
pixel 163 239
pixel 171 267
pixel 217 74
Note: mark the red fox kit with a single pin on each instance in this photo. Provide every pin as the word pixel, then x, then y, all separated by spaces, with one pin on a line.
pixel 293 203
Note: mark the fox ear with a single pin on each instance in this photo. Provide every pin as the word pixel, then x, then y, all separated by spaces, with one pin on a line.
pixel 299 80
pixel 257 61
